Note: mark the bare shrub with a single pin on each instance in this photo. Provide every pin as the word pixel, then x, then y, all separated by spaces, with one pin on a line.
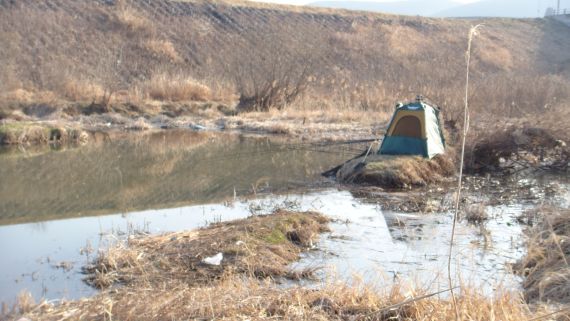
pixel 176 88
pixel 277 86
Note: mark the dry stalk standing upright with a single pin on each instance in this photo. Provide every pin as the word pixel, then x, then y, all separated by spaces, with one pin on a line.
pixel 472 33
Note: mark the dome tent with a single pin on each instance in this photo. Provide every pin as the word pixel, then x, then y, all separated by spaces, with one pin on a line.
pixel 414 130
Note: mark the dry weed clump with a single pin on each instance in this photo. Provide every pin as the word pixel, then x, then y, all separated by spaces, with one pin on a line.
pixel 25 133
pixel 397 171
pixel 260 246
pixel 546 266
pixel 517 148
pixel 163 48
pixel 176 88
pixel 82 90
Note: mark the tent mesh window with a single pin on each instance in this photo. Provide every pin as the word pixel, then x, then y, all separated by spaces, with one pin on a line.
pixel 408 126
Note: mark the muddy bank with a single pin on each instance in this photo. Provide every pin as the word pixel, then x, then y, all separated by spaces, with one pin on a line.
pixel 174 276
pixel 546 266
pixel 43 123
pixel 541 188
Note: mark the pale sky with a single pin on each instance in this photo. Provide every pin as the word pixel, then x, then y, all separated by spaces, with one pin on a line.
pixel 302 2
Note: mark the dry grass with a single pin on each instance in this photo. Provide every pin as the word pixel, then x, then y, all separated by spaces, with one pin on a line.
pixel 165 87
pixel 163 48
pixel 24 133
pixel 546 266
pixel 132 20
pixel 162 278
pixel 359 61
pixel 82 90
pixel 260 246
pixel 518 147
pixel 235 298
pixel 397 171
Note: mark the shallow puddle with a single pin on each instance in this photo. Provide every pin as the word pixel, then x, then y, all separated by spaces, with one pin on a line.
pixel 364 243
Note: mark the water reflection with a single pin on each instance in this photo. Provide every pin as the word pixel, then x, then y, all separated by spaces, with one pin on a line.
pixel 156 170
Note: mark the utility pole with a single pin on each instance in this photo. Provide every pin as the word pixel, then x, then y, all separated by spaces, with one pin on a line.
pixel 558 7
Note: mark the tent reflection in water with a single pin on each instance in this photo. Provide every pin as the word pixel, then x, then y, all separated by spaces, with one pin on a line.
pixel 414 130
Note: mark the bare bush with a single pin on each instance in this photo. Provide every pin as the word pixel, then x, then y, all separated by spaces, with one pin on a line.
pixel 276 82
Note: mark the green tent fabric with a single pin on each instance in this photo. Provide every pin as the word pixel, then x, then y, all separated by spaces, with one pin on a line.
pixel 414 130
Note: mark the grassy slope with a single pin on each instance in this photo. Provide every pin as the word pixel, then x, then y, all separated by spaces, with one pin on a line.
pixel 79 50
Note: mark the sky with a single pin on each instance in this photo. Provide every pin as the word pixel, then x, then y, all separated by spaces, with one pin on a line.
pixel 302 2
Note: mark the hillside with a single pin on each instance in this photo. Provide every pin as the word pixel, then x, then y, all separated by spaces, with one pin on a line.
pixel 139 52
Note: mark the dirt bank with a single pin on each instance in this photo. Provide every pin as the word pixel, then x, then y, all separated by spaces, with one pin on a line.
pixel 64 125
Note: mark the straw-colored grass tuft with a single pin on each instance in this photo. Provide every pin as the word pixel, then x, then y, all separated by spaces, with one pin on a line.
pixel 546 265
pixel 260 246
pixel 170 88
pixel 397 171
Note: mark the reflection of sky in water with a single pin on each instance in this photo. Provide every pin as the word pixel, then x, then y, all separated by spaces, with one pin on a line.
pixel 416 249
pixel 361 242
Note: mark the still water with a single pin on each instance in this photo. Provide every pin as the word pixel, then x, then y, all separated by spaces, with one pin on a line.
pixel 57 207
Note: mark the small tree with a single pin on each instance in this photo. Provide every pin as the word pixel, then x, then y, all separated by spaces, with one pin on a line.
pixel 271 77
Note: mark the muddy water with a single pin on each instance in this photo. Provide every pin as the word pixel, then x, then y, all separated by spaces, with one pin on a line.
pixel 59 207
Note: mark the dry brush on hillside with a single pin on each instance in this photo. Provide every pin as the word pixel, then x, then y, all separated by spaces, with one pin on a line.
pixel 272 56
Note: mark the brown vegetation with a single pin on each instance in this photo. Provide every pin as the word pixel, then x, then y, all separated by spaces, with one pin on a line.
pixel 546 266
pixel 274 56
pixel 167 88
pixel 163 278
pixel 260 246
pixel 510 149
pixel 397 171
pixel 22 133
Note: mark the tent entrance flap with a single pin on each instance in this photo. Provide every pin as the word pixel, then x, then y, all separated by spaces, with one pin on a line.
pixel 408 126
pixel 414 130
